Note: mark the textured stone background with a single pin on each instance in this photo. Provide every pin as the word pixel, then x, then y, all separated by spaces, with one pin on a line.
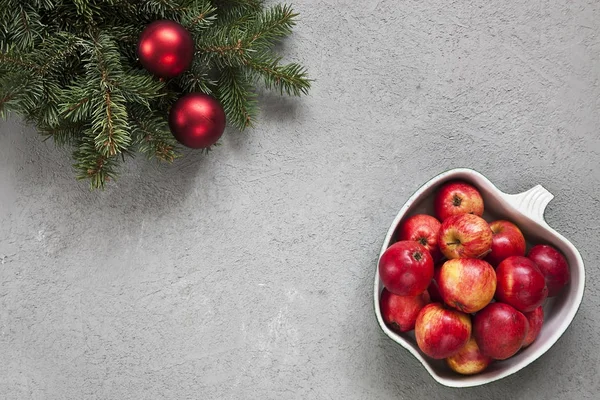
pixel 247 274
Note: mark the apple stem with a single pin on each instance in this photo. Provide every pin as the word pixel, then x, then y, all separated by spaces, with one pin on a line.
pixel 452 243
pixel 459 305
pixel 485 253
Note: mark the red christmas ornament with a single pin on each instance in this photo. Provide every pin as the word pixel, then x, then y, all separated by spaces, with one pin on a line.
pixel 197 120
pixel 165 48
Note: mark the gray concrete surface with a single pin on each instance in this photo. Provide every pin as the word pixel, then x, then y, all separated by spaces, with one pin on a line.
pixel 247 274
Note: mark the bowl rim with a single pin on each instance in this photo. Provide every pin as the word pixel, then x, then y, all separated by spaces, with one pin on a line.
pixel 472 380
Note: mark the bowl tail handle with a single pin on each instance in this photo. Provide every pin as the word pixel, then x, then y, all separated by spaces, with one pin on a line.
pixel 532 202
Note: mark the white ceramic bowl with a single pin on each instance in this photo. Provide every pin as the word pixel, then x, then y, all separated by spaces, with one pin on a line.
pixel 527 211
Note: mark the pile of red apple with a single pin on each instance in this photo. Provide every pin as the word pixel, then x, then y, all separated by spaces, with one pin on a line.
pixel 465 285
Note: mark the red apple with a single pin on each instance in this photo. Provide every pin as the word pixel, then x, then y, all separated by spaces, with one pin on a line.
pixel 441 332
pixel 423 229
pixel 469 360
pixel 467 284
pixel 507 240
pixel 553 265
pixel 433 289
pixel 400 312
pixel 535 319
pixel 456 198
pixel 465 236
pixel 406 268
pixel 499 330
pixel 520 284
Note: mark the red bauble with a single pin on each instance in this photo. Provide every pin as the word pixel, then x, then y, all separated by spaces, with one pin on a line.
pixel 197 120
pixel 165 49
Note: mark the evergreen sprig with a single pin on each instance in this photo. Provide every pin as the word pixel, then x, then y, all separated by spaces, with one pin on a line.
pixel 70 67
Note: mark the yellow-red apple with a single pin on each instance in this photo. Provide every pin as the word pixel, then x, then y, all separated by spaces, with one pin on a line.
pixel 465 236
pixel 469 360
pixel 467 284
pixel 457 197
pixel 424 229
pixel 441 332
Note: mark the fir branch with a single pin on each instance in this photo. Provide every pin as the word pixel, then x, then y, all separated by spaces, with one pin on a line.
pixel 291 79
pixel 48 111
pixel 273 24
pixel 235 16
pixel 23 31
pixel 50 56
pixel 24 21
pixel 3 101
pixel 75 100
pixel 77 106
pixel 246 5
pixel 11 86
pixel 45 4
pixel 201 20
pixel 199 16
pixel 87 9
pixel 96 168
pixel 237 98
pixel 152 135
pixel 21 93
pixel 62 133
pixel 109 121
pixel 109 114
pixel 16 61
pixel 196 79
pixel 54 55
pixel 140 88
pixel 226 49
pixel 160 8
